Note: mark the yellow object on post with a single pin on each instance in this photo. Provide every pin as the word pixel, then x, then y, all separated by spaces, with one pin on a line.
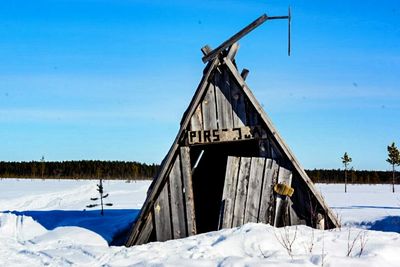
pixel 283 189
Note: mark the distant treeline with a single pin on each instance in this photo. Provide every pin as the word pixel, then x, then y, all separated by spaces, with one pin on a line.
pixel 125 170
pixel 82 169
pixel 353 176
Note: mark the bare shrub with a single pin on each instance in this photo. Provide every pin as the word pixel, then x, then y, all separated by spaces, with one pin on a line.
pixel 286 239
pixel 362 236
pixel 323 250
pixel 363 242
pixel 309 244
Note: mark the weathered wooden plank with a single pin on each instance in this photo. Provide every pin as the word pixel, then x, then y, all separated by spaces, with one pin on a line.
pixel 223 97
pixel 233 51
pixel 241 192
pixel 254 189
pixel 235 38
pixel 162 216
pixel 196 121
pixel 188 187
pixel 229 192
pixel 209 109
pixel 224 135
pixel 238 104
pixel 146 231
pixel 286 150
pixel 284 177
pixel 177 203
pixel 267 194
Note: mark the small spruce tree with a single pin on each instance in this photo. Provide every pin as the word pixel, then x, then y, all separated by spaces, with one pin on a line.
pixel 345 160
pixel 394 160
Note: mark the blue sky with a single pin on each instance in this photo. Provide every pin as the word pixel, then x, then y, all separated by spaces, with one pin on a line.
pixel 110 79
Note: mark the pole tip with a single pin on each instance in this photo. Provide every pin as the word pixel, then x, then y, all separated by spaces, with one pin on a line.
pixel 289 22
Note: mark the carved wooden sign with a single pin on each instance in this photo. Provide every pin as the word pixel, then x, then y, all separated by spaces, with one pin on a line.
pixel 225 135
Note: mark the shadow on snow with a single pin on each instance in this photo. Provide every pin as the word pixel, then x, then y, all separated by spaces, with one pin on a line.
pixel 113 226
pixel 387 224
pixel 366 207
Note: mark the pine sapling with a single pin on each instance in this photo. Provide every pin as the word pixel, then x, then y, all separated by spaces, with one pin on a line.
pixel 394 160
pixel 102 196
pixel 345 160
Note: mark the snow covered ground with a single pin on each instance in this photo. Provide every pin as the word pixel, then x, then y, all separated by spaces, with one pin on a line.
pixel 44 223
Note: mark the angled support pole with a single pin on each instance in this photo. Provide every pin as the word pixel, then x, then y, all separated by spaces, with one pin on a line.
pixel 239 35
pixel 235 38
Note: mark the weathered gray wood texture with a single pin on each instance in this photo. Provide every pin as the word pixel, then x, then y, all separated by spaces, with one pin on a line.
pixel 176 201
pixel 225 135
pixel 224 106
pixel 188 191
pixel 174 209
pixel 162 216
pixel 248 191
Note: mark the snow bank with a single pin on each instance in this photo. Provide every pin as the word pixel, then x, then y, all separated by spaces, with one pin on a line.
pixel 249 245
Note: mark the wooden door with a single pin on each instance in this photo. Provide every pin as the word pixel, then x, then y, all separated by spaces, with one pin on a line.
pixel 248 194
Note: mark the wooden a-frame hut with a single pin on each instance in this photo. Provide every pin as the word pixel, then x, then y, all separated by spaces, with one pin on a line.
pixel 228 164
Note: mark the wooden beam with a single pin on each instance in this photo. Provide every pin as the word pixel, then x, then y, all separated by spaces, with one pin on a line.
pixel 233 51
pixel 206 50
pixel 235 38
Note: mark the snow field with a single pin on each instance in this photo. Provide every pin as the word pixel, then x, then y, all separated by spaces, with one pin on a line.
pixel 68 241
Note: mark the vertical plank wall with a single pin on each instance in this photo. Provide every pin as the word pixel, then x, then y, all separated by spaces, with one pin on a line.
pixel 174 215
pixel 248 191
